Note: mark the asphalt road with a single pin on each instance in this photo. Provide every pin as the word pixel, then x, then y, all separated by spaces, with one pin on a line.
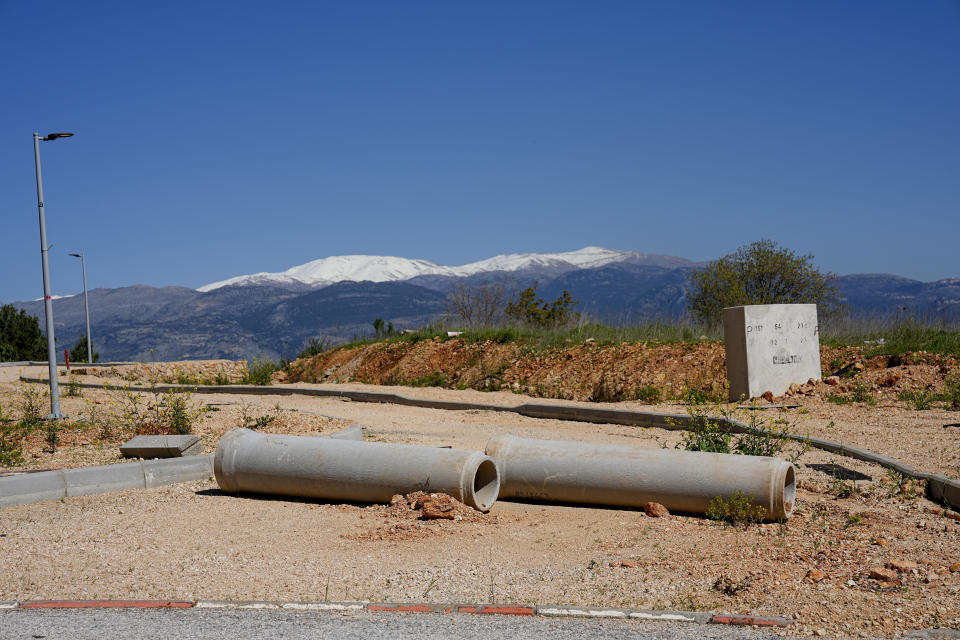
pixel 95 624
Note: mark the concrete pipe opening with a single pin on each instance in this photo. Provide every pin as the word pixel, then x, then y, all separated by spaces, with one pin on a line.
pixel 789 492
pixel 485 487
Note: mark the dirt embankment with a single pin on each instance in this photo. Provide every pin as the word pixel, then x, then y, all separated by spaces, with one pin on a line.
pixel 608 373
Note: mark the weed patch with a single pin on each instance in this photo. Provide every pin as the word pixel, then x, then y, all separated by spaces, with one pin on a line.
pixel 260 372
pixel 647 394
pixel 921 400
pixel 737 510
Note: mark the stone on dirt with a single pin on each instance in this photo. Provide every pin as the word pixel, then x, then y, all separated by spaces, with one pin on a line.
pixel 816 575
pixel 655 510
pixel 902 565
pixel 883 575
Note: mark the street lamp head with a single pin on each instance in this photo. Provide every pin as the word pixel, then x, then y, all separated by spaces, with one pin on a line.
pixel 54 136
pixel 76 255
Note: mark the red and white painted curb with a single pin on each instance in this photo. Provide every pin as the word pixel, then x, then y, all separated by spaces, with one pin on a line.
pixel 696 617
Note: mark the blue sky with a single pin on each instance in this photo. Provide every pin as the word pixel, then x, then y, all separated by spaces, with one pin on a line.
pixel 217 139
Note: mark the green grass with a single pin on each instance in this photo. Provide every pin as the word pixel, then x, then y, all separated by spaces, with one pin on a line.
pixel 434 379
pixel 898 338
pixel 655 332
pixel 920 400
pixel 260 371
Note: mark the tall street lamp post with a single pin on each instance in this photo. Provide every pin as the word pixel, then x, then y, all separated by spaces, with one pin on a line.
pixel 47 299
pixel 86 305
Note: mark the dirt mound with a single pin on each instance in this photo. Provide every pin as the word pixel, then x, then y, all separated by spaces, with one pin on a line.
pixel 419 515
pixel 649 373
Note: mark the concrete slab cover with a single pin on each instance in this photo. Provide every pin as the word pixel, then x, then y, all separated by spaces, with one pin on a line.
pixel 161 446
pixel 770 346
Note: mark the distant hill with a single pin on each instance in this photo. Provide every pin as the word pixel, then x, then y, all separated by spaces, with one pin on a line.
pixel 262 314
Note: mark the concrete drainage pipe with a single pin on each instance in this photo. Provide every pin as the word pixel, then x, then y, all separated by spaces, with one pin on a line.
pixel 335 469
pixel 616 475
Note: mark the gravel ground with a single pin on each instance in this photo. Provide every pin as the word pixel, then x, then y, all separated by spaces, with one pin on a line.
pixel 190 541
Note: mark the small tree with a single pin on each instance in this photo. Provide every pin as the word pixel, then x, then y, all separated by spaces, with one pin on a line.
pixel 79 352
pixel 760 273
pixel 477 306
pixel 20 336
pixel 314 346
pixel 383 330
pixel 529 309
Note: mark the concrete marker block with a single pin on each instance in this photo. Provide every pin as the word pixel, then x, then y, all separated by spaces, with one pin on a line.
pixel 769 347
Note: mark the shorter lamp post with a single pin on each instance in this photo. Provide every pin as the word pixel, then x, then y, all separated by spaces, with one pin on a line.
pixel 86 305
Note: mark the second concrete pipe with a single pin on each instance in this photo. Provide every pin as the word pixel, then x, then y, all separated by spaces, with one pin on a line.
pixel 336 469
pixel 623 476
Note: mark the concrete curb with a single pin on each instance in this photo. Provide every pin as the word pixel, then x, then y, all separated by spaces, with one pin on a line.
pixel 939 487
pixel 27 488
pixel 695 617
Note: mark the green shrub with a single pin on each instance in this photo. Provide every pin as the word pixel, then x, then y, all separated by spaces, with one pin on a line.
pixel 707 435
pixel 951 393
pixel 248 420
pixel 434 379
pixel 862 393
pixel 51 433
pixel 836 398
pixel 176 414
pixel 313 347
pixel 260 372
pixel 737 510
pixel 767 438
pixel 11 451
pixel 188 379
pixel 79 352
pixel 530 310
pixel 920 400
pixel 73 389
pixel 842 487
pixel 764 436
pixel 648 394
pixel 31 407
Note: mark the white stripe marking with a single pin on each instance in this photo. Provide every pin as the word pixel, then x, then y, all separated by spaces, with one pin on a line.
pixel 321 606
pixel 236 605
pixel 592 613
pixel 661 616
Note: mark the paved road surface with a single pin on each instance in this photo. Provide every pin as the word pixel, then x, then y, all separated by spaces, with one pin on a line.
pixel 95 624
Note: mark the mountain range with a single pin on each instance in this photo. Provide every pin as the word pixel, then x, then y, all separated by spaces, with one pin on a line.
pixel 274 314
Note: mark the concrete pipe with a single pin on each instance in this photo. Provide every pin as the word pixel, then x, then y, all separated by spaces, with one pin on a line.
pixel 335 469
pixel 622 476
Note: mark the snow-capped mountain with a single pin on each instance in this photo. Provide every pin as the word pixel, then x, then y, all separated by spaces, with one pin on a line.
pixel 326 271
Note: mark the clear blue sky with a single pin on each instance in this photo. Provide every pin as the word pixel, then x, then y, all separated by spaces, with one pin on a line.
pixel 218 139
